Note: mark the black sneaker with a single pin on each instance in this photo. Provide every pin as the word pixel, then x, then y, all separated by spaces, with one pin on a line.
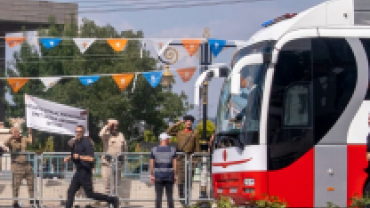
pixel 115 202
pixel 16 205
pixel 77 206
pixel 35 204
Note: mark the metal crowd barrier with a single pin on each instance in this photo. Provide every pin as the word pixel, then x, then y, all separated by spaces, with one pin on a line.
pixel 55 181
pixel 129 179
pixel 134 188
pixel 10 171
pixel 194 196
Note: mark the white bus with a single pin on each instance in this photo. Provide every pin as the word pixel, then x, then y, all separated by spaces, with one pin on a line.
pixel 304 82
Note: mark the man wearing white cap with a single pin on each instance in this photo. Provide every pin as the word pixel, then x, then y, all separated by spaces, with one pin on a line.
pixel 163 171
pixel 113 144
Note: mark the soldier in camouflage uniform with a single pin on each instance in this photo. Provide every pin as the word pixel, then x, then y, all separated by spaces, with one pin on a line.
pixel 188 143
pixel 21 167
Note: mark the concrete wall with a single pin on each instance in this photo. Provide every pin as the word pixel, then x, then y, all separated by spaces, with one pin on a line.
pixel 35 12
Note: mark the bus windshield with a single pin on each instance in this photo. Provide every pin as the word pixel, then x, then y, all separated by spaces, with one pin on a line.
pixel 242 111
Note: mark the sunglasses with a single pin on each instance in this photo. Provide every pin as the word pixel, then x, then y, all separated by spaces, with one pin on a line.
pixel 79 131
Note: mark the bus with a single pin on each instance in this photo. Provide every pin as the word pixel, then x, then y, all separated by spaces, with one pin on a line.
pixel 303 84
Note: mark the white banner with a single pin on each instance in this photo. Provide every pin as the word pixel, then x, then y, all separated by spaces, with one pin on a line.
pixel 53 117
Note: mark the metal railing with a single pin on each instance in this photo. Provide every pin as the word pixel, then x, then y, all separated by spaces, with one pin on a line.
pixel 201 158
pixel 15 168
pixel 54 189
pixel 129 178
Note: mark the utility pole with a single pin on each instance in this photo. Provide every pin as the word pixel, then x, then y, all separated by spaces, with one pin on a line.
pixel 205 61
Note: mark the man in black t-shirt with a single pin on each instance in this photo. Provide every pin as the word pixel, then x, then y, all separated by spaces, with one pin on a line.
pixel 83 157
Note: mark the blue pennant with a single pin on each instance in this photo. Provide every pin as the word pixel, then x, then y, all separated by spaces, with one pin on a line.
pixel 87 80
pixel 216 46
pixel 50 42
pixel 154 78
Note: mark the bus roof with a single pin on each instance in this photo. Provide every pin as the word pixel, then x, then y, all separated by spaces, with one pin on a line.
pixel 333 13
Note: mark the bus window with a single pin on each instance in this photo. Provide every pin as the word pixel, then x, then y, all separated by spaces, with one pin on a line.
pixel 290 132
pixel 297 106
pixel 334 81
pixel 313 83
pixel 366 44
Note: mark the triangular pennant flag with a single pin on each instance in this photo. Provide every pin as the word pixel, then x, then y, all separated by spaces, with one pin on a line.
pixel 134 83
pixel 83 43
pixel 49 81
pixel 186 73
pixel 17 83
pixel 123 80
pixel 154 78
pixel 191 45
pixel 160 46
pixel 240 44
pixel 14 41
pixel 87 80
pixel 117 44
pixel 50 42
pixel 216 46
pixel 142 47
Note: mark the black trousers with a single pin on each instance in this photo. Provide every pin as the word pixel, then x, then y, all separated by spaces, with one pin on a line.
pixel 83 178
pixel 159 186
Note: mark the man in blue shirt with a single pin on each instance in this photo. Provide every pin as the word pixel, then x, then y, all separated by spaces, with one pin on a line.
pixel 163 171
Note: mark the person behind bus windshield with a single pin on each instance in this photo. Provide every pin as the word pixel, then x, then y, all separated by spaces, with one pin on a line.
pixel 247 85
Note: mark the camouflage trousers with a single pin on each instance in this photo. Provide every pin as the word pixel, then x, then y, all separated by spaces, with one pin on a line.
pixel 22 171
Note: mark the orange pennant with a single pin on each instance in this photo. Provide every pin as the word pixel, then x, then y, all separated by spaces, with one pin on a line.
pixel 117 44
pixel 17 83
pixel 191 45
pixel 186 73
pixel 123 80
pixel 14 41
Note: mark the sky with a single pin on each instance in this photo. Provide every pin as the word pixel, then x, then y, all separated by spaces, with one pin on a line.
pixel 229 22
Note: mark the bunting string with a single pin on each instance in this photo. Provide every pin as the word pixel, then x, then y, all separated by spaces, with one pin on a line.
pixel 121 79
pixel 119 44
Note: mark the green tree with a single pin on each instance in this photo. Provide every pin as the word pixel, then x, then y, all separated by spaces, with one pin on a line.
pixel 149 136
pixel 210 128
pixel 103 98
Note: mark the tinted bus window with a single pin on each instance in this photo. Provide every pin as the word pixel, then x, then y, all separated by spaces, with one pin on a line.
pixel 334 81
pixel 366 44
pixel 313 83
pixel 290 113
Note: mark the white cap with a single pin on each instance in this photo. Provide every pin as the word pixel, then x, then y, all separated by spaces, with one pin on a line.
pixel 164 136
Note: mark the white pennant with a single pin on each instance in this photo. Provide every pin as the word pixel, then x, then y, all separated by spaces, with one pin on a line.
pixel 134 83
pixel 142 47
pixel 49 81
pixel 84 43
pixel 160 46
pixel 240 44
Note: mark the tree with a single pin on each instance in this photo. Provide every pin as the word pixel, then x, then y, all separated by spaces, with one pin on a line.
pixel 103 98
pixel 210 128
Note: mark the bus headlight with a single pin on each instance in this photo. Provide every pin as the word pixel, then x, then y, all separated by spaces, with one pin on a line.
pixel 249 182
pixel 219 191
